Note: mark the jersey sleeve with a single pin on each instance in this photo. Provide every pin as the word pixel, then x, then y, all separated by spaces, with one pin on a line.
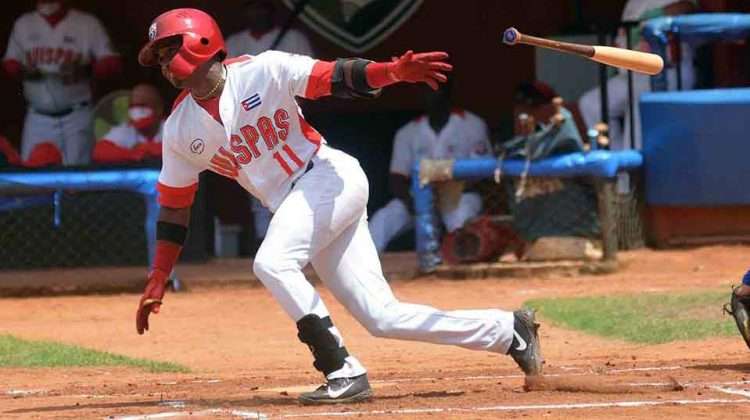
pixel 101 45
pixel 304 76
pixel 14 51
pixel 402 158
pixel 178 180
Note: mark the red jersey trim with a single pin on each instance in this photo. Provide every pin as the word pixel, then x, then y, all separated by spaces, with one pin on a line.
pixel 458 111
pixel 310 133
pixel 176 197
pixel 319 81
pixel 238 59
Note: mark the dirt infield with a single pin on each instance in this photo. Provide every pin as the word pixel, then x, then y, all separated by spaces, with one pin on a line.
pixel 246 361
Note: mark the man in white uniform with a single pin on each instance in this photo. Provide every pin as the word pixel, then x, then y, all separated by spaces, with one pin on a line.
pixel 56 50
pixel 261 33
pixel 444 132
pixel 617 86
pixel 139 138
pixel 240 118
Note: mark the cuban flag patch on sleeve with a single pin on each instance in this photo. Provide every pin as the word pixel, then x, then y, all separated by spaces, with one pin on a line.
pixel 251 102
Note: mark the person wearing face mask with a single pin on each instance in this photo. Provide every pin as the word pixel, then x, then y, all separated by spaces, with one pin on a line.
pixel 139 138
pixel 262 31
pixel 55 51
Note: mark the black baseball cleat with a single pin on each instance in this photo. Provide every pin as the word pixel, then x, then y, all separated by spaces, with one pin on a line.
pixel 525 346
pixel 339 391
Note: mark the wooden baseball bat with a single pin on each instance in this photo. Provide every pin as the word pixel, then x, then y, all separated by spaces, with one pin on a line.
pixel 638 61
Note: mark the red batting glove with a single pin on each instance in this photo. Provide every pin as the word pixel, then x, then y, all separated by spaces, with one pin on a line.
pixel 423 67
pixel 151 299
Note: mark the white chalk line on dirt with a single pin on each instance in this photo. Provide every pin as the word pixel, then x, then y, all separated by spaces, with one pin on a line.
pixel 525 407
pixel 732 391
pixel 528 407
pixel 210 412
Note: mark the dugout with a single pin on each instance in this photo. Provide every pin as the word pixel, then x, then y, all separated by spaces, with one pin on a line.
pixel 695 144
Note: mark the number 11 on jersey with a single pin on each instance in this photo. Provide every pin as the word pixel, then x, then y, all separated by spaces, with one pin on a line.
pixel 291 156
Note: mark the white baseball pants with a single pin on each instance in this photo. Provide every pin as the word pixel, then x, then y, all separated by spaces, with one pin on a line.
pixel 394 219
pixel 323 221
pixel 72 133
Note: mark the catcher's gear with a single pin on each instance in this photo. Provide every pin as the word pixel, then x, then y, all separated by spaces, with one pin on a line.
pixel 200 35
pixel 483 239
pixel 739 308
pixel 151 299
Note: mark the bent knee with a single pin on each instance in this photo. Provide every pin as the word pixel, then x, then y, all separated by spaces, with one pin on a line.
pixel 270 269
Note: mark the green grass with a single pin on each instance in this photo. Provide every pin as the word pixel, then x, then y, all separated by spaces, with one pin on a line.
pixel 644 318
pixel 15 352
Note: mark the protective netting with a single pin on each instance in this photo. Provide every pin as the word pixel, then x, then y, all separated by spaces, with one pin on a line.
pixel 606 211
pixel 72 229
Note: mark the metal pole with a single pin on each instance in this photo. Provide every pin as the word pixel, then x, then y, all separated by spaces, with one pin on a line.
pixel 603 94
pixel 631 116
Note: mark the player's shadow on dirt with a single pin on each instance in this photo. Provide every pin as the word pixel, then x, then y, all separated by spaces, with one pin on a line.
pixel 189 404
pixel 194 404
pixel 740 367
pixel 78 406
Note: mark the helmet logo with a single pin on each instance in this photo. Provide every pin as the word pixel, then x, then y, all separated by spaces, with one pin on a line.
pixel 152 32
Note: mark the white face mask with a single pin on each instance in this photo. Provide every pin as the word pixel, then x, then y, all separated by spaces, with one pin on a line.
pixel 48 9
pixel 140 112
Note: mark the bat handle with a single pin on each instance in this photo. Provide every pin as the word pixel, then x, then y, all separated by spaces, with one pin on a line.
pixel 511 36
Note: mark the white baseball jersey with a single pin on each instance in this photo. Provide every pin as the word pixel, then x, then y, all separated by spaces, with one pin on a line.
pixel 465 135
pixel 244 42
pixel 264 142
pixel 78 38
pixel 125 135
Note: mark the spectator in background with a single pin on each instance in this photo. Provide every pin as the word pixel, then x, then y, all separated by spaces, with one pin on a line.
pixel 260 35
pixel 617 87
pixel 55 50
pixel 444 132
pixel 262 31
pixel 139 138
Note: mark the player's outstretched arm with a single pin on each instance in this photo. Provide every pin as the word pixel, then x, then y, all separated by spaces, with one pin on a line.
pixel 171 231
pixel 429 67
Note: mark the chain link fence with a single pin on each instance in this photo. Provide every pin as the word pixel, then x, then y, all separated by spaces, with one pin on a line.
pixel 598 209
pixel 72 229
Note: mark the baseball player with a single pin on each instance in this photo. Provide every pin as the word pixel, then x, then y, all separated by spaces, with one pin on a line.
pixel 139 137
pixel 617 87
pixel 54 50
pixel 739 307
pixel 239 118
pixel 444 132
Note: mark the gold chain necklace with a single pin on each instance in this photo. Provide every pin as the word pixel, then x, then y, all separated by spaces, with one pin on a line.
pixel 219 83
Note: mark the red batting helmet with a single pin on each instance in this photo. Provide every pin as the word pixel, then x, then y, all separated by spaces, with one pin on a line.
pixel 201 40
